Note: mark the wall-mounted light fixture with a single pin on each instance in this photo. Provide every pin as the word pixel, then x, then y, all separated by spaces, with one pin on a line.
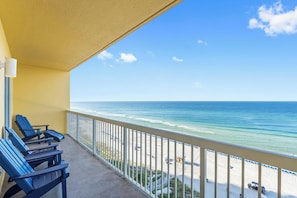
pixel 10 67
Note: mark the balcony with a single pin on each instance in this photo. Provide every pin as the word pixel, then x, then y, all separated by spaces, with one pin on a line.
pixel 113 158
pixel 88 176
pixel 163 163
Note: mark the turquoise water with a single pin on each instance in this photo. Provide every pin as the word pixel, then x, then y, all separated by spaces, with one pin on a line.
pixel 265 125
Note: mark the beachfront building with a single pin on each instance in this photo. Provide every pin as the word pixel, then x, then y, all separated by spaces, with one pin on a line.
pixel 50 38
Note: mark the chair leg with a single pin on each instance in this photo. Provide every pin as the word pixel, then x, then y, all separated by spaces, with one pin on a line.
pixel 38 137
pixel 64 188
pixel 12 191
pixel 9 179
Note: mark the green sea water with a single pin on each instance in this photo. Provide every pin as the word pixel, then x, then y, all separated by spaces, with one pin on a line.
pixel 265 125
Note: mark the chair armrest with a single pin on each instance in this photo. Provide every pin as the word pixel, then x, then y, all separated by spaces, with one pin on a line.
pixel 42 171
pixel 36 129
pixel 42 155
pixel 47 147
pixel 42 125
pixel 48 140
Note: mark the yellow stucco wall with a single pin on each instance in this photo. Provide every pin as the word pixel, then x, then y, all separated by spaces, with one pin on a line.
pixel 42 95
pixel 4 52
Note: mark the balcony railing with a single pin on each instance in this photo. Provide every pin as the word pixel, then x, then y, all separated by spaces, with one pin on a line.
pixel 169 164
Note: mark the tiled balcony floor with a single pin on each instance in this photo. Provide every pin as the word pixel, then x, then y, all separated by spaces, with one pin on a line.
pixel 88 177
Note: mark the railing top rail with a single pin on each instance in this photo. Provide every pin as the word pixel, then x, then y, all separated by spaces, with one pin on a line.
pixel 284 161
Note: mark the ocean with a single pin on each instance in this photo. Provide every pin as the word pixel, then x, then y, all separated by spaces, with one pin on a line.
pixel 265 125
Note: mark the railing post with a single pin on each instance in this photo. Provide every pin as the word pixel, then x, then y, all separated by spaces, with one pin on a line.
pixel 259 180
pixel 67 123
pixel 242 177
pixel 77 126
pixel 202 172
pixel 94 137
pixel 279 182
pixel 228 175
pixel 125 152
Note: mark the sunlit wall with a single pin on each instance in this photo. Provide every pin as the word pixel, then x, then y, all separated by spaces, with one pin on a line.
pixel 42 95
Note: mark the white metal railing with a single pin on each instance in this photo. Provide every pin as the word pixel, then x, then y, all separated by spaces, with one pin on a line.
pixel 170 164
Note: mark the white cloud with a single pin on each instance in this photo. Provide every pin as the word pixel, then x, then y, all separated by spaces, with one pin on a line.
pixel 128 58
pixel 274 20
pixel 177 59
pixel 201 42
pixel 104 55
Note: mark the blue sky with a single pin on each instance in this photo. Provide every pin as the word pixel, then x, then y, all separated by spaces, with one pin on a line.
pixel 200 51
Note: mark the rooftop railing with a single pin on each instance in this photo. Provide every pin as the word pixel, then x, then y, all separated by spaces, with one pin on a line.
pixel 169 164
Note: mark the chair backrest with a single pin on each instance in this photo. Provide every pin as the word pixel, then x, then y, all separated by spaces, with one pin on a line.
pixel 15 165
pixel 24 125
pixel 17 141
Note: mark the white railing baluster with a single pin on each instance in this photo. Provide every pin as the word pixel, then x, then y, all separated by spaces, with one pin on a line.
pixel 168 167
pixel 175 176
pixel 102 139
pixel 121 144
pixel 110 143
pixel 162 171
pixel 192 172
pixel 118 146
pixel 141 153
pixel 145 160
pixel 125 152
pixel 156 164
pixel 228 175
pixel 94 137
pixel 215 174
pixel 106 142
pixel 129 152
pixel 151 173
pixel 113 145
pixel 77 126
pixel 183 169
pixel 202 172
pixel 136 151
pixel 242 176
pixel 279 182
pixel 132 152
